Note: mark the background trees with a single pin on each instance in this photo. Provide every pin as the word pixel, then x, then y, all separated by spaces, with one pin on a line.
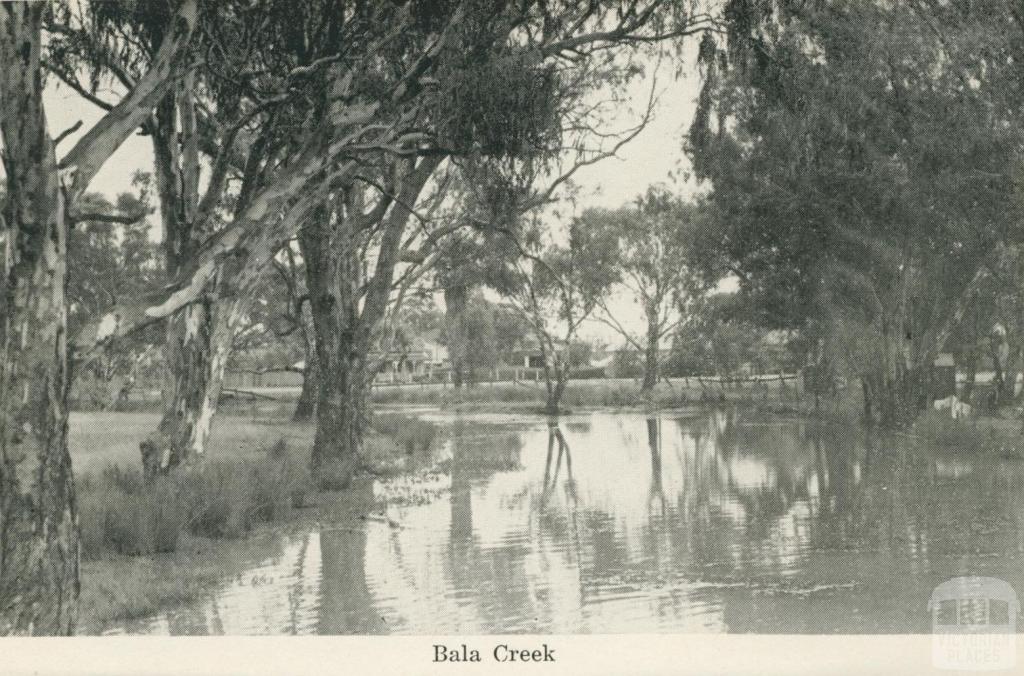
pixel 113 258
pixel 652 259
pixel 718 338
pixel 492 95
pixel 558 287
pixel 862 158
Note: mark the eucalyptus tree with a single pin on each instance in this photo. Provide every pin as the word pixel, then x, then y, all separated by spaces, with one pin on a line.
pixel 237 119
pixel 396 89
pixel 653 251
pixel 287 313
pixel 999 303
pixel 112 257
pixel 471 259
pixel 502 92
pixel 557 287
pixel 39 546
pixel 863 159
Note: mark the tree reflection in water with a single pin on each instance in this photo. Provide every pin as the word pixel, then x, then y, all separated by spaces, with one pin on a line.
pixel 657 493
pixel 633 522
pixel 557 440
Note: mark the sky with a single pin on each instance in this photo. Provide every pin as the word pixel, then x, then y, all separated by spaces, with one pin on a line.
pixel 654 156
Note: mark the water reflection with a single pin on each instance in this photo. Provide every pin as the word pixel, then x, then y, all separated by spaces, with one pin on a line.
pixel 627 523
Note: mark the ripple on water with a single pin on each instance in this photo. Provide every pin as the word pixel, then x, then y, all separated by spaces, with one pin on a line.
pixel 629 523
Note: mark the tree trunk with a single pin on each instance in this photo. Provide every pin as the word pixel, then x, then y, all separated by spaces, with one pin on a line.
pixel 188 347
pixel 972 372
pixel 305 408
pixel 553 404
pixel 997 356
pixel 194 379
pixel 340 419
pixel 556 375
pixel 348 311
pixel 650 364
pixel 333 278
pixel 865 386
pixel 455 300
pixel 39 545
pixel 1008 391
pixel 896 401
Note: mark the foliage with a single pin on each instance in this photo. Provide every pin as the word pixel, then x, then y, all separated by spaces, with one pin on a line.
pixel 627 363
pixel 112 259
pixel 862 161
pixel 556 289
pixel 721 339
pixel 653 261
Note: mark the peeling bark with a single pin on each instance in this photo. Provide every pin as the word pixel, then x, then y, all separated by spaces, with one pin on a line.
pixel 197 368
pixel 86 158
pixel 188 346
pixel 39 546
pixel 256 234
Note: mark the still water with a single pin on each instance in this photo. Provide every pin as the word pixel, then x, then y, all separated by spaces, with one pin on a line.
pixel 629 523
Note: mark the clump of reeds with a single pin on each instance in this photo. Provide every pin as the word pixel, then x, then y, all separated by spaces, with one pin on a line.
pixel 120 512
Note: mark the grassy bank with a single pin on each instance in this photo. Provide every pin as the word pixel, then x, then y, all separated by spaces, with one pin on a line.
pixel 147 546
pixel 585 394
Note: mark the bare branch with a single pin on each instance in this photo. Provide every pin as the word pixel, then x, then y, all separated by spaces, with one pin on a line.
pixel 67 132
pixel 77 86
pixel 123 219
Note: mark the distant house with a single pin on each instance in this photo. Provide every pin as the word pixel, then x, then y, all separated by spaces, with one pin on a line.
pixel 602 358
pixel 528 353
pixel 421 358
pixel 531 359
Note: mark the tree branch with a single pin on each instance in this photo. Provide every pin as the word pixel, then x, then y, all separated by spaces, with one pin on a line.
pixel 94 148
pixel 123 219
pixel 67 132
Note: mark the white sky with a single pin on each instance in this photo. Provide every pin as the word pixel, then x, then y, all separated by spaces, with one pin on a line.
pixel 654 156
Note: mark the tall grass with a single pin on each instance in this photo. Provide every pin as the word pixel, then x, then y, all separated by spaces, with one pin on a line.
pixel 119 513
pixel 398 443
pixel 122 513
pixel 408 432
